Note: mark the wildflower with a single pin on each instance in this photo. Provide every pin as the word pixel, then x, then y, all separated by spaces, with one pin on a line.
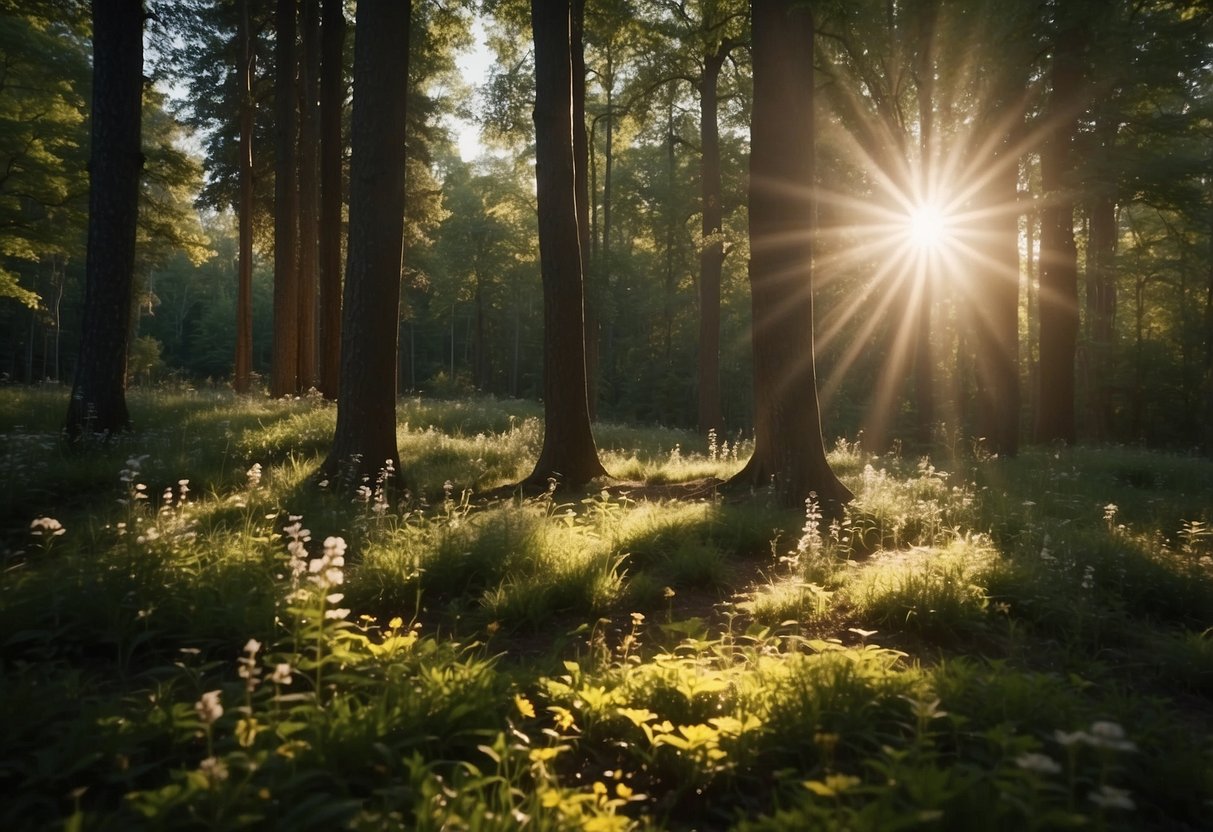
pixel 213 769
pixel 563 717
pixel 46 527
pixel 1110 797
pixel 337 614
pixel 1069 738
pixel 281 674
pixel 208 707
pixel 1106 734
pixel 396 623
pixel 247 731
pixel 524 706
pixel 1039 763
pixel 253 475
pixel 248 669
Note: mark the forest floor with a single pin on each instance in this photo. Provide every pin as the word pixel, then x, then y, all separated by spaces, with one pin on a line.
pixel 193 635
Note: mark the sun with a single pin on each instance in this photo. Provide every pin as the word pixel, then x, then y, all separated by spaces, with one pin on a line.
pixel 928 226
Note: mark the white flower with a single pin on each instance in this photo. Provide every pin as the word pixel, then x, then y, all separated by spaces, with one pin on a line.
pixel 335 598
pixel 337 614
pixel 252 647
pixel 1106 734
pixel 1069 738
pixel 46 526
pixel 281 674
pixel 1039 763
pixel 214 769
pixel 1110 797
pixel 334 546
pixel 208 707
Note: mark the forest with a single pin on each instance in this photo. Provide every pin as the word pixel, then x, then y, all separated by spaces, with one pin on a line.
pixel 606 414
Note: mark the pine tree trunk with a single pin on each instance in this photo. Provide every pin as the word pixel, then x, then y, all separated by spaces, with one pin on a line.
pixel 1101 312
pixel 284 376
pixel 568 454
pixel 581 165
pixel 789 453
pixel 309 192
pixel 244 289
pixel 1058 253
pixel 995 314
pixel 365 438
pixel 711 253
pixel 332 100
pixel 98 402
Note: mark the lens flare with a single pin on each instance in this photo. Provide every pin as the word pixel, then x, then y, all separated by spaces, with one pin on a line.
pixel 928 226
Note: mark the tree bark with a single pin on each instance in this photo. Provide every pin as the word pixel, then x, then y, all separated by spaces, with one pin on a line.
pixel 581 170
pixel 1101 312
pixel 309 192
pixel 244 281
pixel 568 454
pixel 98 402
pixel 332 101
pixel 711 252
pixel 1058 253
pixel 284 377
pixel 789 453
pixel 998 319
pixel 365 439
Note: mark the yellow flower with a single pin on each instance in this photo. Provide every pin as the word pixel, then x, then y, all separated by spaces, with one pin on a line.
pixel 246 731
pixel 524 706
pixel 562 716
pixel 396 623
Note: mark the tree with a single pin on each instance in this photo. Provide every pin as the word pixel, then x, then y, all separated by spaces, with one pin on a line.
pixel 568 453
pixel 43 135
pixel 284 380
pixel 98 402
pixel 364 443
pixel 244 290
pixel 309 190
pixel 1058 251
pixel 789 453
pixel 332 101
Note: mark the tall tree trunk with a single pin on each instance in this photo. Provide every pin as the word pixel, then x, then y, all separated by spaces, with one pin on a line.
pixel 1208 379
pixel 1058 254
pixel 568 452
pixel 1000 365
pixel 244 281
pixel 789 453
pixel 996 300
pixel 332 101
pixel 1101 311
pixel 365 439
pixel 581 172
pixel 98 402
pixel 924 363
pixel 671 222
pixel 711 252
pixel 284 377
pixel 309 192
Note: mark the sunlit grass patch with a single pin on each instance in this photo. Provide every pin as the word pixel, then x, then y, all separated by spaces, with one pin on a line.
pixel 936 592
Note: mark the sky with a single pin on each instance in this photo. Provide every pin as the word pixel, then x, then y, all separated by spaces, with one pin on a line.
pixel 474 67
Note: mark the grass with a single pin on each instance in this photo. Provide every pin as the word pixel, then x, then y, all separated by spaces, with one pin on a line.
pixel 980 643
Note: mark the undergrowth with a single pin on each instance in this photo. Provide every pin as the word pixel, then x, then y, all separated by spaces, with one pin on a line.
pixel 195 635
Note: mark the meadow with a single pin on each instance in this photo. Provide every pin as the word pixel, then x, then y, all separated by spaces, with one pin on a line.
pixel 194 634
